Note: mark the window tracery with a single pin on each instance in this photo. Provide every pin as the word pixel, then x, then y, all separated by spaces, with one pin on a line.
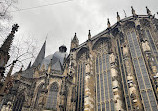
pixel 141 71
pixel 153 48
pixel 103 77
pixel 52 96
pixel 81 75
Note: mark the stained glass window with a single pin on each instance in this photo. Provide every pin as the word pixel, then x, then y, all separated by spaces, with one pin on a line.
pixel 81 82
pixel 124 74
pixel 104 92
pixel 52 96
pixel 141 71
pixel 153 48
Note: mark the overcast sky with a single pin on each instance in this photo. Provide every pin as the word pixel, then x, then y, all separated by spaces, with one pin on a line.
pixel 61 21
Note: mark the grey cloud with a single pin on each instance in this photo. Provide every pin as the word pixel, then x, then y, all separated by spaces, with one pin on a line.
pixel 63 20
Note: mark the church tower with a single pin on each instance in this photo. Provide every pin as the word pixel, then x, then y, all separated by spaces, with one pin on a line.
pixel 4 57
pixel 4 49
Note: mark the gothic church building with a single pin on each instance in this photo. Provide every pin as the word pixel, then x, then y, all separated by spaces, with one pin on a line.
pixel 115 70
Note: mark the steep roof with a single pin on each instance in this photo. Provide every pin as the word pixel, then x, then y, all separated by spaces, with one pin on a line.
pixel 40 56
pixel 57 60
pixel 28 73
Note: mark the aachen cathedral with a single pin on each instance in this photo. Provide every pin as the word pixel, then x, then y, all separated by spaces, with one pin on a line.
pixel 115 70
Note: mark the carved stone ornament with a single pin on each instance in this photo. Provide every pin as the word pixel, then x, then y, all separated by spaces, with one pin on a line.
pixel 137 22
pixel 87 68
pixel 15 28
pixel 144 22
pixel 128 25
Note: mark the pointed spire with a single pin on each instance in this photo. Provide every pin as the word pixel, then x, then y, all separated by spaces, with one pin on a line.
pixel 125 13
pixel 89 34
pixel 75 36
pixel 46 37
pixel 148 11
pixel 40 56
pixel 8 42
pixel 109 25
pixel 118 17
pixel 74 42
pixel 133 11
pixel 29 65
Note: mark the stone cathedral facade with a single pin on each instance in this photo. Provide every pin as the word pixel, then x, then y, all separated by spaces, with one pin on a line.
pixel 115 70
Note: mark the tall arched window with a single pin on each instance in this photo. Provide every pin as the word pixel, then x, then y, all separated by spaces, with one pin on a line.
pixel 147 94
pixel 19 102
pixel 81 59
pixel 104 93
pixel 80 89
pixel 52 96
pixel 152 45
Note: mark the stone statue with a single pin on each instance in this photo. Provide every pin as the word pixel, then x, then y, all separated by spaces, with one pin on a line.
pixel 125 50
pixel 145 46
pixel 112 58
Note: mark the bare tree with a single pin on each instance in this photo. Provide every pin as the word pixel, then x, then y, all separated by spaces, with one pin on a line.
pixel 4 6
pixel 22 51
pixel 5 16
